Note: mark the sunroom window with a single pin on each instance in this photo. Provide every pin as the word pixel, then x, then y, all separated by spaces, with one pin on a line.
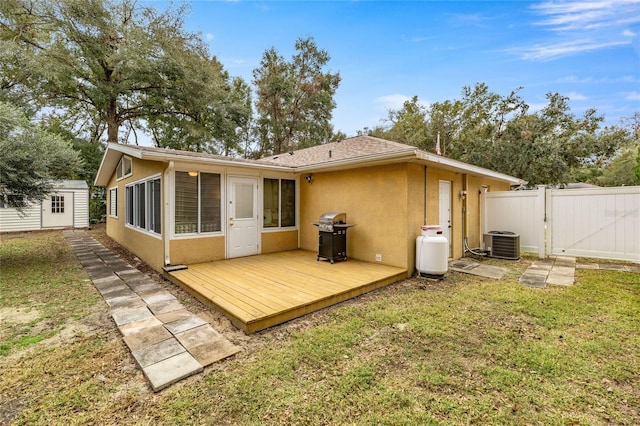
pixel 197 203
pixel 279 200
pixel 143 208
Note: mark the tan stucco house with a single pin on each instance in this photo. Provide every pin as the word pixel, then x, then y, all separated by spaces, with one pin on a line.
pixel 175 207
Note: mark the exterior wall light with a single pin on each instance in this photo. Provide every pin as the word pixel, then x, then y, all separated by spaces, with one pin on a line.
pixel 193 174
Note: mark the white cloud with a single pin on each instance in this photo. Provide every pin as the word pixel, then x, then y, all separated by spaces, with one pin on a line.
pixel 575 96
pixel 394 101
pixel 633 96
pixel 552 51
pixel 587 15
pixel 209 36
pixel 581 26
pixel 397 100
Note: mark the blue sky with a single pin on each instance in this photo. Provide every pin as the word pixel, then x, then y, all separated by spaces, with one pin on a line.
pixel 388 51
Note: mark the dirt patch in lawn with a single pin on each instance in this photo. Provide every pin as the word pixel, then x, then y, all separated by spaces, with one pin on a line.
pixel 18 315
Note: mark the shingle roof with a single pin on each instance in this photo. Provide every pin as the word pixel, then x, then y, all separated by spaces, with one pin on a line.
pixel 351 152
pixel 351 148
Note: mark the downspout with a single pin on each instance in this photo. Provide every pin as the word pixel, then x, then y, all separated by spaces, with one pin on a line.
pixel 166 234
pixel 425 196
pixel 463 195
pixel 424 193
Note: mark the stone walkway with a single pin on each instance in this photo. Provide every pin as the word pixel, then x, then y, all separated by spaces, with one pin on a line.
pixel 168 342
pixel 557 271
pixel 560 270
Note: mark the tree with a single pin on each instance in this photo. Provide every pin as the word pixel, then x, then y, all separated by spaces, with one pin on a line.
pixel 619 171
pixel 636 168
pixel 409 124
pixel 30 159
pixel 294 99
pixel 550 146
pixel 118 67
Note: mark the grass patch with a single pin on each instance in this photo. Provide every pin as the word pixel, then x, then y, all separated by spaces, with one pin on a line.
pixel 42 286
pixel 473 352
pixel 468 350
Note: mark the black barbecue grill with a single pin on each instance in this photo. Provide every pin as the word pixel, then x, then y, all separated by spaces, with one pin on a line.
pixel 332 238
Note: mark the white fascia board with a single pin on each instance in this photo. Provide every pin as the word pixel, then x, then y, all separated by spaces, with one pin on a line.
pixel 110 159
pixel 158 156
pixel 114 151
pixel 462 167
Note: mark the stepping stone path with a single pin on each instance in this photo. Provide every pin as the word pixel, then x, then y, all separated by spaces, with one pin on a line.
pixel 168 342
pixel 469 266
pixel 557 271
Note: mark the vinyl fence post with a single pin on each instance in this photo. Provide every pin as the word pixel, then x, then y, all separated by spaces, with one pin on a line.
pixel 541 222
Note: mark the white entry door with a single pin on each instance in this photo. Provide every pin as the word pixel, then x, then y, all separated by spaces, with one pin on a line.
pixel 242 216
pixel 57 210
pixel 445 210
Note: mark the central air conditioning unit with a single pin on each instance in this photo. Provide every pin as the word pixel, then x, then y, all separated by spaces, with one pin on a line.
pixel 502 245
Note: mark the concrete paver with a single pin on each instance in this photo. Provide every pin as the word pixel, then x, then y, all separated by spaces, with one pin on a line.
pixel 172 316
pixel 146 337
pixel 561 275
pixel 152 321
pixel 171 370
pixel 140 326
pixel 165 306
pixel 157 352
pixel 469 266
pixel 536 275
pixel 127 315
pixel 531 280
pixel 185 324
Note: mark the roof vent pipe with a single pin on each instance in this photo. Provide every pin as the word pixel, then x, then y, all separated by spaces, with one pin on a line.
pixel 329 153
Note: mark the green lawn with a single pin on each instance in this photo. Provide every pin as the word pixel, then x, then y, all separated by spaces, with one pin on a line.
pixel 465 351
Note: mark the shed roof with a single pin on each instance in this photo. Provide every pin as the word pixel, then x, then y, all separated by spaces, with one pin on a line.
pixel 359 151
pixel 70 184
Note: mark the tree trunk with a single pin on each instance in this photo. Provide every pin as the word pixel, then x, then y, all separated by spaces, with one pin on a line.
pixel 113 125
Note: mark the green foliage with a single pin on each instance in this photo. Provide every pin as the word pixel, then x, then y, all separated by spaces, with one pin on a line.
pixel 620 171
pixel 408 124
pixel 550 146
pixel 120 67
pixel 636 169
pixel 294 99
pixel 30 159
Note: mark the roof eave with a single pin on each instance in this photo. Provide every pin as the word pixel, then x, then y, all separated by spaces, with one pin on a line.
pixel 114 151
pixel 367 160
pixel 461 167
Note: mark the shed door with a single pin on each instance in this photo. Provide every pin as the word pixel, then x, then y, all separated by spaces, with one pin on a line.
pixel 242 223
pixel 445 211
pixel 57 210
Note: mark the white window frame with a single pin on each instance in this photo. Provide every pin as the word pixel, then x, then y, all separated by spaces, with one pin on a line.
pixel 57 204
pixel 295 204
pixel 132 208
pixel 198 233
pixel 121 168
pixel 113 206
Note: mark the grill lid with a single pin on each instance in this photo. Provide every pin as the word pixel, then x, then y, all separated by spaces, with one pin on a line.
pixel 333 218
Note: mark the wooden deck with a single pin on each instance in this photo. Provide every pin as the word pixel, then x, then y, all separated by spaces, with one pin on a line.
pixel 262 291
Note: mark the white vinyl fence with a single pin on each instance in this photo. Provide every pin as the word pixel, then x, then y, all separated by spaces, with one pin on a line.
pixel 601 223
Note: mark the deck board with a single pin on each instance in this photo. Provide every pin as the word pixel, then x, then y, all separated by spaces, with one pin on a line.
pixel 257 292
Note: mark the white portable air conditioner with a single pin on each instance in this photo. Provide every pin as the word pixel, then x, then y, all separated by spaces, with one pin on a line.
pixel 502 245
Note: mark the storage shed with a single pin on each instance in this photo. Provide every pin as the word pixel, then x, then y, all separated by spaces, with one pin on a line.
pixel 66 207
